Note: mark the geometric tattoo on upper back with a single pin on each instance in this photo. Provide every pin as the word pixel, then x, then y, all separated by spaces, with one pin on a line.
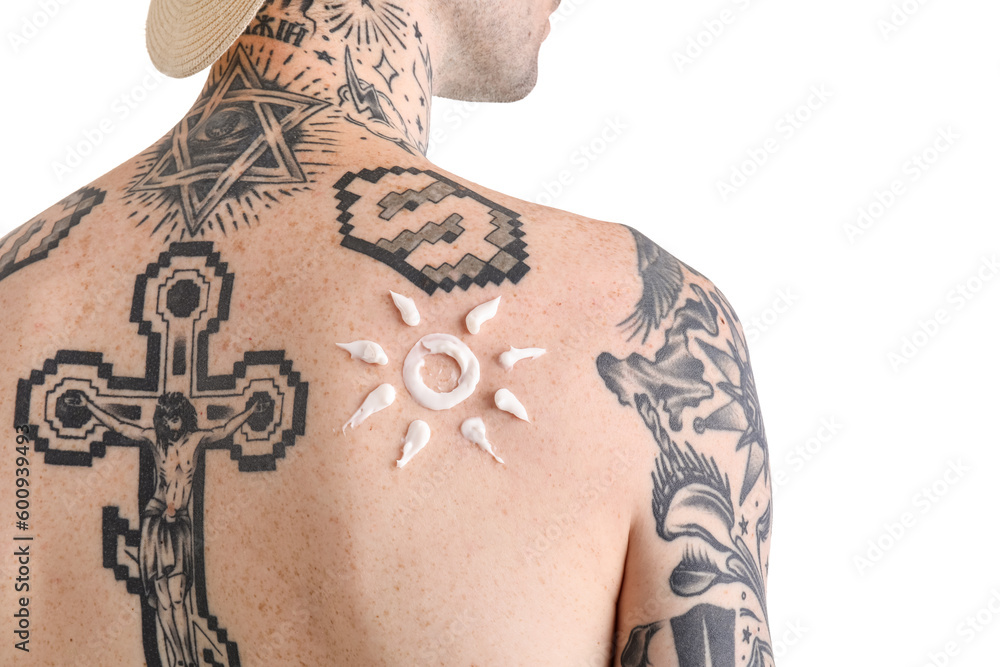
pixel 432 230
pixel 244 142
pixel 179 416
pixel 33 242
pixel 698 380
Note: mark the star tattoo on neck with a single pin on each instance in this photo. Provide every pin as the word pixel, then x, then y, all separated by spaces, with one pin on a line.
pixel 237 138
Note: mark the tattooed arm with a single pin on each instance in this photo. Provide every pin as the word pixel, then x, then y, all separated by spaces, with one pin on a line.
pixel 693 591
pixel 145 436
pixel 258 406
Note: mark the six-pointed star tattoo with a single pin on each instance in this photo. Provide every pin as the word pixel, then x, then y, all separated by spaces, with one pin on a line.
pixel 239 134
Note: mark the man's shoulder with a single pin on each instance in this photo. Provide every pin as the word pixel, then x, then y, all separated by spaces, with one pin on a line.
pixel 34 240
pixel 644 279
pixel 435 227
pixel 593 244
pixel 76 223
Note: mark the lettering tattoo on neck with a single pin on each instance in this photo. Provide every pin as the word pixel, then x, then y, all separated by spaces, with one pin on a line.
pixel 377 50
pixel 283 21
pixel 698 380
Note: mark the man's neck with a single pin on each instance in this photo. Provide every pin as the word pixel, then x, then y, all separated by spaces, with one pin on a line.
pixel 304 92
pixel 361 66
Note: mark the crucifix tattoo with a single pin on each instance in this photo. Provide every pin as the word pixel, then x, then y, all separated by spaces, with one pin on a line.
pixel 75 407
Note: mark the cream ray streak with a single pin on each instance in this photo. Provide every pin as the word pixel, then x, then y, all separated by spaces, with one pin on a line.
pixel 480 314
pixel 514 355
pixel 407 308
pixel 367 351
pixel 417 437
pixel 475 430
pixel 507 401
pixel 382 397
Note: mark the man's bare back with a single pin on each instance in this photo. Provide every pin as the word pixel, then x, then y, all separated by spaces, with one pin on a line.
pixel 627 524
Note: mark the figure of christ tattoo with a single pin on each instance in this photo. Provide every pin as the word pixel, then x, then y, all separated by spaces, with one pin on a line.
pixel 76 407
pixel 433 231
pixel 34 240
pixel 698 380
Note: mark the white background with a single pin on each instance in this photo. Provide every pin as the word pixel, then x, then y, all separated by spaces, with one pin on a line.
pixel 824 310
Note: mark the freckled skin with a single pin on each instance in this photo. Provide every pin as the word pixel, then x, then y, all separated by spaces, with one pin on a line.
pixel 337 556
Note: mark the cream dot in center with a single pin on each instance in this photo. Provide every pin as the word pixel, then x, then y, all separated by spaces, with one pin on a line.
pixel 440 373
pixel 448 345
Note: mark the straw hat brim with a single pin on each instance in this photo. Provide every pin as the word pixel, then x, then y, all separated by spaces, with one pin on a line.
pixel 186 36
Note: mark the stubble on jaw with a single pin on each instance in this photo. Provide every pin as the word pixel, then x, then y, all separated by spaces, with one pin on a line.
pixel 490 57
